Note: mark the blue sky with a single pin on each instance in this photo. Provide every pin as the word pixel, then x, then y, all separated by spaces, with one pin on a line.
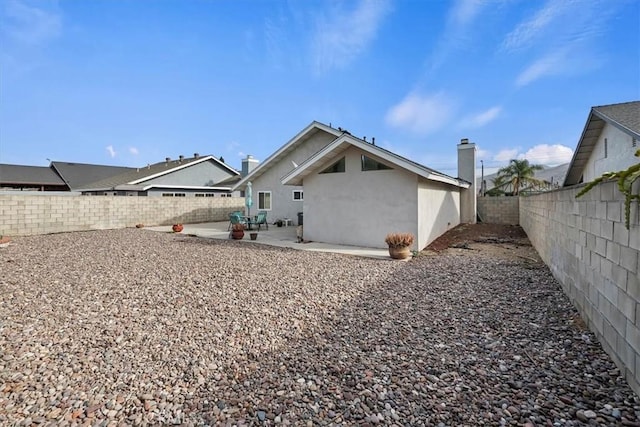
pixel 132 82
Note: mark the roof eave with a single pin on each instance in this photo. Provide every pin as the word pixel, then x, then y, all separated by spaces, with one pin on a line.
pixel 264 166
pixel 297 176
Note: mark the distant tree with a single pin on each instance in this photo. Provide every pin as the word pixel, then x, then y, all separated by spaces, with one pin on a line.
pixel 519 173
pixel 498 187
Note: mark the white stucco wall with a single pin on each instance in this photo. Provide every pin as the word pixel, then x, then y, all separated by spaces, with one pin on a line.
pixel 282 203
pixel 619 153
pixel 359 208
pixel 438 210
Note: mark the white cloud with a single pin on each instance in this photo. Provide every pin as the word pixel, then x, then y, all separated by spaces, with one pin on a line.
pixel 549 155
pixel 30 24
pixel 482 118
pixel 456 34
pixel 533 27
pixel 111 151
pixel 421 114
pixel 506 155
pixel 551 64
pixel 541 154
pixel 342 36
pixel 465 11
pixel 133 150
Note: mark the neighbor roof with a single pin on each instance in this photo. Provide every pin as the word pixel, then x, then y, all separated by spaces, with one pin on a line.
pixel 29 175
pixel 78 175
pixel 339 145
pixel 305 134
pixel 134 178
pixel 624 116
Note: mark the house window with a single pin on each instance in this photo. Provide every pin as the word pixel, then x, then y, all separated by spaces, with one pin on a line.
pixel 336 167
pixel 210 195
pixel 298 195
pixel 167 194
pixel 605 147
pixel 264 200
pixel 634 142
pixel 199 194
pixel 179 194
pixel 368 164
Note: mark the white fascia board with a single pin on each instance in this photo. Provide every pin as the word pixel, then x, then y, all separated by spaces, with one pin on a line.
pixel 295 177
pixel 185 187
pixel 262 167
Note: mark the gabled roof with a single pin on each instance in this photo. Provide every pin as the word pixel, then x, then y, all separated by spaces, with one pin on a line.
pixel 77 175
pixel 341 144
pixel 624 116
pixel 135 178
pixel 29 175
pixel 306 133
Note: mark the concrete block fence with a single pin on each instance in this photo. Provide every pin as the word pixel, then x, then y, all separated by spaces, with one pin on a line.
pixel 499 210
pixel 22 215
pixel 588 249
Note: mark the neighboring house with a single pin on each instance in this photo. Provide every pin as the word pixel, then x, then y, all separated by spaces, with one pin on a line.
pixel 268 192
pixel 357 192
pixel 551 178
pixel 610 138
pixel 198 176
pixel 30 178
pixel 353 192
pixel 78 175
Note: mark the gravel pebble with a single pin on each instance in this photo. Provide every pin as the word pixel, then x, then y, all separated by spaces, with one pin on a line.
pixel 140 328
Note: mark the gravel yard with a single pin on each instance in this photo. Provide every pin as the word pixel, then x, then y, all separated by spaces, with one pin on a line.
pixel 132 327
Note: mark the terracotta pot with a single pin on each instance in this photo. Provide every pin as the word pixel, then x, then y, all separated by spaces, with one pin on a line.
pixel 177 228
pixel 237 234
pixel 253 236
pixel 400 253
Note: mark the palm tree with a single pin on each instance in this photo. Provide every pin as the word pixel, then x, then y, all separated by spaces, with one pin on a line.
pixel 519 173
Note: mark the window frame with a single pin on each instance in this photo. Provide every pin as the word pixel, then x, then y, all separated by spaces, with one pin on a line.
pixel 340 162
pixel 364 159
pixel 299 199
pixel 262 208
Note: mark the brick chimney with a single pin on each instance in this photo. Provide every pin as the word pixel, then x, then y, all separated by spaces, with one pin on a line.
pixel 467 171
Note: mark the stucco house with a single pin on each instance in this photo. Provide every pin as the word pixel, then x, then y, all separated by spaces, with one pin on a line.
pixel 268 192
pixel 197 176
pixel 610 138
pixel 353 192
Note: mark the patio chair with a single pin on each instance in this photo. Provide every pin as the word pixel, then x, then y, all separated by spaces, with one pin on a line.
pixel 261 219
pixel 236 218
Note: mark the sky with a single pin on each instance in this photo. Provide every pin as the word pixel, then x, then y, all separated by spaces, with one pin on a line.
pixel 130 82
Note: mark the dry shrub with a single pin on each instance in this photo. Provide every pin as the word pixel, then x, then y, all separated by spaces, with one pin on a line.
pixel 399 240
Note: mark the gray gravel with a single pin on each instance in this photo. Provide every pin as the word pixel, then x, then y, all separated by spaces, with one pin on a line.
pixel 131 327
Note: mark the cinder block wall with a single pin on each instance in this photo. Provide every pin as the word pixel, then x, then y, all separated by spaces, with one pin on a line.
pixel 499 210
pixel 22 215
pixel 588 249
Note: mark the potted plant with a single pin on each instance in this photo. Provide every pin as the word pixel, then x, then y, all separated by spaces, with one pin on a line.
pixel 237 231
pixel 177 228
pixel 399 244
pixel 253 235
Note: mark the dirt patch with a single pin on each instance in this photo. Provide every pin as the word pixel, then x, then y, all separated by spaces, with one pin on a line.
pixel 500 240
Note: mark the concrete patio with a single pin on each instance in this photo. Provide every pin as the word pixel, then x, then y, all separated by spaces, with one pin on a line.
pixel 284 237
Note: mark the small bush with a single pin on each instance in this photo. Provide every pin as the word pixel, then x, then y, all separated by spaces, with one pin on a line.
pixel 399 240
pixel 238 227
